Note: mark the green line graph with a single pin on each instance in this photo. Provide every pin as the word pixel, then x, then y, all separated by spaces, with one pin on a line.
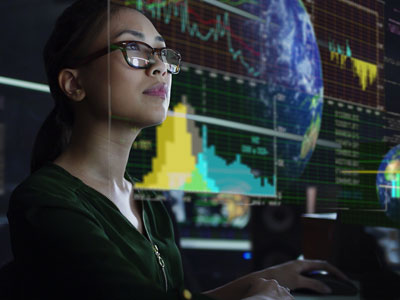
pixel 167 9
pixel 234 10
pixel 240 2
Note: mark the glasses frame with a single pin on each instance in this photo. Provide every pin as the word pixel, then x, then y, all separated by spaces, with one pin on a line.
pixel 122 46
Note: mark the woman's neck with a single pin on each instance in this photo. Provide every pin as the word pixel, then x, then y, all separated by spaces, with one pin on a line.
pixel 99 154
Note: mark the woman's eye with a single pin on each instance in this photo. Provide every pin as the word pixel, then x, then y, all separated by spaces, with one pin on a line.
pixel 132 47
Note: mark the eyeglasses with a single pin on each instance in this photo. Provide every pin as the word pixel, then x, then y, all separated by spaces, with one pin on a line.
pixel 139 55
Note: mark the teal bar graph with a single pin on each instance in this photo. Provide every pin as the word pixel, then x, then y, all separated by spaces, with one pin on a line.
pixel 396 186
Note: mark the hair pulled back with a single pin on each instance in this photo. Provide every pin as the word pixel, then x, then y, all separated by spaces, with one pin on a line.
pixel 72 33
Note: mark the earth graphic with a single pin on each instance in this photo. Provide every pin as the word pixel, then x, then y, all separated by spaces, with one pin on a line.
pixel 388 183
pixel 292 68
pixel 291 64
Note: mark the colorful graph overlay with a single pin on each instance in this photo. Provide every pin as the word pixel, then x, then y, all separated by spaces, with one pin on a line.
pixel 212 140
pixel 365 71
pixel 211 33
pixel 351 49
pixel 222 81
pixel 186 162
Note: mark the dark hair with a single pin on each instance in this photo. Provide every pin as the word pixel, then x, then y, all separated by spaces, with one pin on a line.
pixel 72 33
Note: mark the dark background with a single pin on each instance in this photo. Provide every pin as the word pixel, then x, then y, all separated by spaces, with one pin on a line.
pixel 25 26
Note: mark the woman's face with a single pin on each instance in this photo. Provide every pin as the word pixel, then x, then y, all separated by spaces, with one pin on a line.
pixel 131 95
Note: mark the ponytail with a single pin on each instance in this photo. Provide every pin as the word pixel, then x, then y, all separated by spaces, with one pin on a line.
pixel 53 137
pixel 72 33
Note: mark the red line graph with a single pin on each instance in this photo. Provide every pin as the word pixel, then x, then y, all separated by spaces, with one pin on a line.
pixel 234 36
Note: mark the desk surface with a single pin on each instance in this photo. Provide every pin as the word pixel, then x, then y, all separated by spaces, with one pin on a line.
pixel 324 297
pixel 328 297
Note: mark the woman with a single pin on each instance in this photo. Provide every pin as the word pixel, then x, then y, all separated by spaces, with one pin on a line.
pixel 76 231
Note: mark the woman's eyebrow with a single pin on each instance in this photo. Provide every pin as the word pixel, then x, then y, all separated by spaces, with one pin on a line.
pixel 132 32
pixel 139 35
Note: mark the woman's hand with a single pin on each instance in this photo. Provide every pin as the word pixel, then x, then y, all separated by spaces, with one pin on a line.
pixel 263 289
pixel 289 274
pixel 271 283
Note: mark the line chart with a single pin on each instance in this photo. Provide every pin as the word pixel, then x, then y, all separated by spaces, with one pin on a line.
pixel 365 71
pixel 217 29
pixel 351 49
pixel 239 2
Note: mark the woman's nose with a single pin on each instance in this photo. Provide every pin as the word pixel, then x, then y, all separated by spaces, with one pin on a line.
pixel 157 66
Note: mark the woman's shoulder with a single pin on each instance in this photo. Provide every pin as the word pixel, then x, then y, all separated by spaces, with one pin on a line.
pixel 46 186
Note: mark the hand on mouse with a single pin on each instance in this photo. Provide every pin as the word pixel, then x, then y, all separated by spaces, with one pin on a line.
pixel 263 289
pixel 275 282
pixel 289 274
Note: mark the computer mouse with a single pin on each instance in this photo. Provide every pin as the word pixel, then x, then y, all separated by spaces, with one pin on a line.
pixel 337 285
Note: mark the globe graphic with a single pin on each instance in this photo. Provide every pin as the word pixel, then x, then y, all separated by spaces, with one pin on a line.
pixel 291 66
pixel 388 184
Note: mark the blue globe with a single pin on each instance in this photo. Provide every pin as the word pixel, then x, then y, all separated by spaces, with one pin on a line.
pixel 388 184
pixel 292 69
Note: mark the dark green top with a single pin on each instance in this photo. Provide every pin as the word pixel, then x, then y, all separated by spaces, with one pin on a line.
pixel 72 242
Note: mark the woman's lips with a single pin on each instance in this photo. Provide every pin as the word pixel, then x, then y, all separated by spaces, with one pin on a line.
pixel 158 90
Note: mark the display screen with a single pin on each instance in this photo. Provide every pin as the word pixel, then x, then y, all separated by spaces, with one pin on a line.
pixel 273 98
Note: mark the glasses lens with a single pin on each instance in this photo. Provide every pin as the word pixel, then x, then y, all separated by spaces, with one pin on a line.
pixel 172 60
pixel 138 55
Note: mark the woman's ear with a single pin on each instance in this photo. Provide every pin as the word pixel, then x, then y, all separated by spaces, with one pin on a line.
pixel 68 81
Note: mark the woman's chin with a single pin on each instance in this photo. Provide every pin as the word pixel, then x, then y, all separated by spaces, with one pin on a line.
pixel 156 118
pixel 154 121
